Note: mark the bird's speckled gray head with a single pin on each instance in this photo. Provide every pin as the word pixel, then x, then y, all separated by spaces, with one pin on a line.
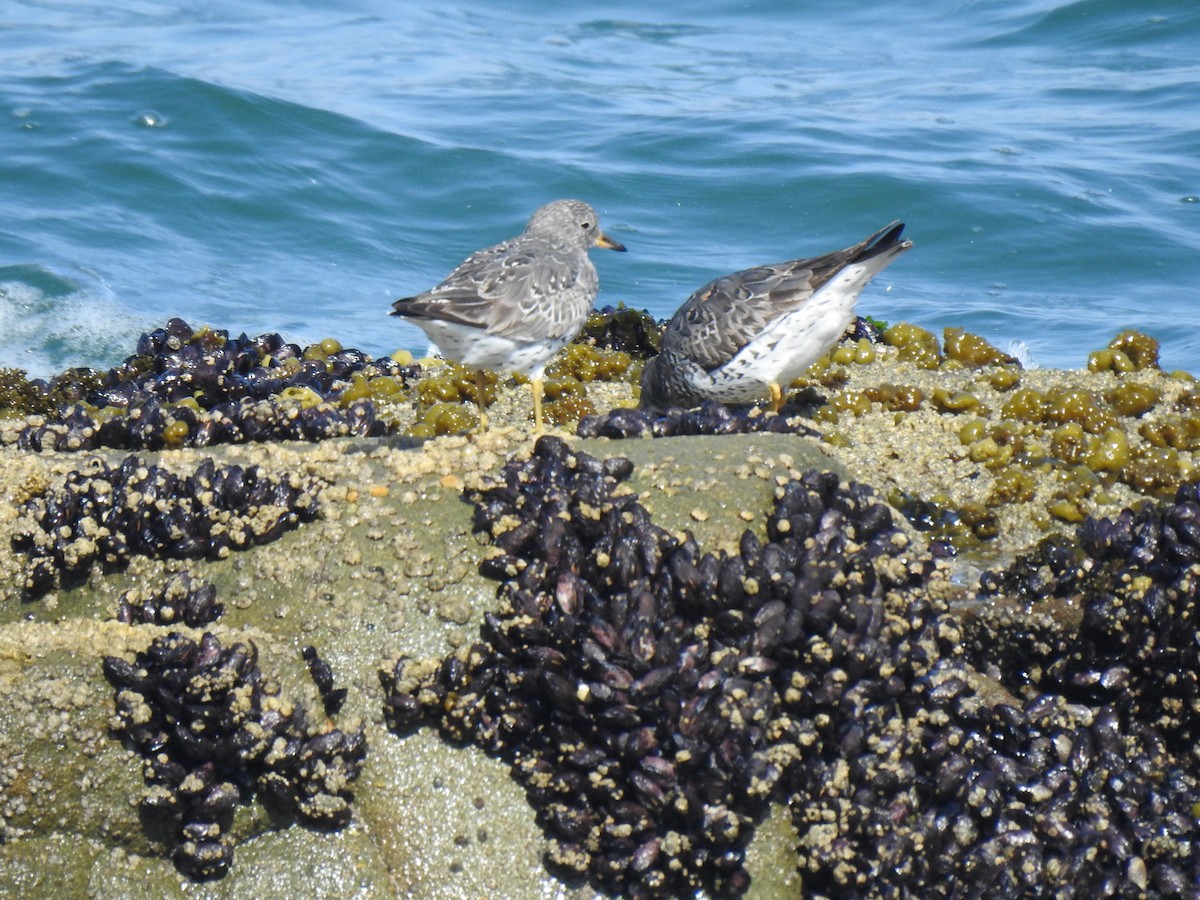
pixel 571 222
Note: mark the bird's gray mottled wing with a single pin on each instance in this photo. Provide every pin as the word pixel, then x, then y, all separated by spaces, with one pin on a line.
pixel 514 288
pixel 722 317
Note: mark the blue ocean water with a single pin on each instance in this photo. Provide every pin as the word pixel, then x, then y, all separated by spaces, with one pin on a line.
pixel 271 166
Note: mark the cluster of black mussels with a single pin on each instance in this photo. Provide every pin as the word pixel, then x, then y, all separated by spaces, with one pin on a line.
pixel 196 388
pixel 623 328
pixel 107 514
pixel 653 699
pixel 632 680
pixel 960 797
pixel 214 732
pixel 709 418
pixel 1133 579
pixel 182 600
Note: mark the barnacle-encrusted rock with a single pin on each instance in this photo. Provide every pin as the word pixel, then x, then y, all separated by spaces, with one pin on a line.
pixel 213 732
pixel 1038 739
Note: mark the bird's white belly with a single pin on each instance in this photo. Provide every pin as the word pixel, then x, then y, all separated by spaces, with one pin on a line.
pixel 793 342
pixel 477 348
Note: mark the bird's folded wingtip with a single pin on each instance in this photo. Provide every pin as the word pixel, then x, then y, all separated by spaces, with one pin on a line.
pixel 887 237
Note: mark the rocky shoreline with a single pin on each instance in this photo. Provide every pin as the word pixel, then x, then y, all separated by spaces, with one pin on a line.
pixel 985 457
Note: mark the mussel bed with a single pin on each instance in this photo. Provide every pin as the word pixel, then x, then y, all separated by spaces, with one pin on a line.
pixel 653 700
pixel 186 387
pixel 107 514
pixel 214 732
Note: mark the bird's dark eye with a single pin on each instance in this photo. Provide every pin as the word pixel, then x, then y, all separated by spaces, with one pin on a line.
pixel 585 225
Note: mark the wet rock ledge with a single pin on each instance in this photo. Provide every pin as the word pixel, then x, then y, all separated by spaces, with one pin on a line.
pixel 270 625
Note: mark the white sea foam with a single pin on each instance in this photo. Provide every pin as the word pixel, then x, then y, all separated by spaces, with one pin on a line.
pixel 50 320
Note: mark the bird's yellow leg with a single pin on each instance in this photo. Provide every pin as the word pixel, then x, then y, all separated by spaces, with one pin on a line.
pixel 776 397
pixel 483 422
pixel 536 384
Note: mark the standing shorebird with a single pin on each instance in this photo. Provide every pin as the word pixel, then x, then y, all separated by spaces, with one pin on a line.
pixel 744 337
pixel 512 306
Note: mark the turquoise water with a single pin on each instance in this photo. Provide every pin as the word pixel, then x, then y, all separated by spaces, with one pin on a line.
pixel 293 167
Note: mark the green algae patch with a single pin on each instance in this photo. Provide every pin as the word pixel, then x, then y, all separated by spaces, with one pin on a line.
pixel 450 815
pixel 53 867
